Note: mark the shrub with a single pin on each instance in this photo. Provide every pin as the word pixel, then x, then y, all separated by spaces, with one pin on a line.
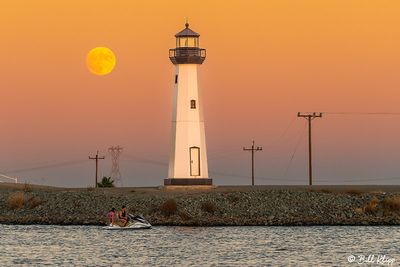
pixel 372 205
pixel 233 198
pixel 169 207
pixel 185 216
pixel 325 191
pixel 359 210
pixel 106 182
pixel 354 192
pixel 77 204
pixel 153 208
pixel 392 204
pixel 33 202
pixel 27 188
pixel 16 200
pixel 209 207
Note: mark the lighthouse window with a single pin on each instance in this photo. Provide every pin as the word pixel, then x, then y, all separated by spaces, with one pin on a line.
pixel 192 104
pixel 187 42
pixel 176 78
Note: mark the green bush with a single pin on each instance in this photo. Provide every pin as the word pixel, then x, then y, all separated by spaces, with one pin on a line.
pixel 106 182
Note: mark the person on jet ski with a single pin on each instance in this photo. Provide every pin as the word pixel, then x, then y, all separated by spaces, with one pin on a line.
pixel 123 216
pixel 111 215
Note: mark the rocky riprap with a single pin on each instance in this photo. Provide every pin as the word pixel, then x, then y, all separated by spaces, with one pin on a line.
pixel 204 208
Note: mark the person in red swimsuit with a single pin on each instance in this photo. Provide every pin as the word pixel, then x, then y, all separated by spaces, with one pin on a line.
pixel 111 215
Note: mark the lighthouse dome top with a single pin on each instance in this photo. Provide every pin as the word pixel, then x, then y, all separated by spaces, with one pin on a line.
pixel 187 32
pixel 187 50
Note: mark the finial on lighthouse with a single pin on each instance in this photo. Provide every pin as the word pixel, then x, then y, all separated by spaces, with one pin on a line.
pixel 187 22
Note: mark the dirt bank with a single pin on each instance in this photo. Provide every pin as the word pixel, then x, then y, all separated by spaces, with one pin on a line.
pixel 225 205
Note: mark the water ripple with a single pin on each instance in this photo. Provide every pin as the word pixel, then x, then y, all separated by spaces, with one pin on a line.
pixel 183 246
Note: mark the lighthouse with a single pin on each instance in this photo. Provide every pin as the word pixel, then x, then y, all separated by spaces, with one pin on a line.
pixel 188 154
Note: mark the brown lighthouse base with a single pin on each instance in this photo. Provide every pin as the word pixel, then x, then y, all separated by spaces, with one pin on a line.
pixel 187 181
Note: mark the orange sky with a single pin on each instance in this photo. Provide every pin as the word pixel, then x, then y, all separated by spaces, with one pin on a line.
pixel 266 60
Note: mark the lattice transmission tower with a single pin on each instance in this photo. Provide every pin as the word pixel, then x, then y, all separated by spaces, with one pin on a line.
pixel 115 151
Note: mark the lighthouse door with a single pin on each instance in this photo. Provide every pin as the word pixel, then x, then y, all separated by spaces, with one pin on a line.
pixel 195 161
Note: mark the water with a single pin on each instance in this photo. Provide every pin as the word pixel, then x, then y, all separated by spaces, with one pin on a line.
pixel 185 246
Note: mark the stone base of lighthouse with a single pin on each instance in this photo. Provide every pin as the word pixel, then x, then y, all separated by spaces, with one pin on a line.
pixel 187 181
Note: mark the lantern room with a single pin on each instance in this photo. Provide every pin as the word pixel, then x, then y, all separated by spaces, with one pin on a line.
pixel 187 49
pixel 187 38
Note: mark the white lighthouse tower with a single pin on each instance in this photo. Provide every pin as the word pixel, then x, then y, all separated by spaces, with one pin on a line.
pixel 188 155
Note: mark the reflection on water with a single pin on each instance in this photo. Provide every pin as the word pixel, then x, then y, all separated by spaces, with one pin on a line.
pixel 183 246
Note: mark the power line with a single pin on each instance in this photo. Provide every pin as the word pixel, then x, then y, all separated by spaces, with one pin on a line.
pixel 275 142
pixel 295 151
pixel 213 154
pixel 143 160
pixel 288 127
pixel 115 152
pixel 47 166
pixel 128 157
pixel 320 180
pixel 164 164
pixel 309 117
pixel 280 138
pixel 224 174
pixel 361 180
pixel 96 158
pixel 361 113
pixel 252 149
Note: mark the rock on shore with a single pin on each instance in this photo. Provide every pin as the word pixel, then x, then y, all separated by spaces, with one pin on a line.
pixel 263 206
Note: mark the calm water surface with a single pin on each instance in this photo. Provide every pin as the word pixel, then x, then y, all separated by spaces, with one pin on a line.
pixel 185 246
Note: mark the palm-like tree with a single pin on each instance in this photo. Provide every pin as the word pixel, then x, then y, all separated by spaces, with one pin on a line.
pixel 106 182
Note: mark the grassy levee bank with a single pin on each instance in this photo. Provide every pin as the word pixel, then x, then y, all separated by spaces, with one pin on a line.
pixel 225 205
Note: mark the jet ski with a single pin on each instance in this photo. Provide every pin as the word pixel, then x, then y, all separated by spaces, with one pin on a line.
pixel 135 222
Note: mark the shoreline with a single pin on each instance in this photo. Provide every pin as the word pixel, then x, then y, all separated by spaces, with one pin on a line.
pixel 219 206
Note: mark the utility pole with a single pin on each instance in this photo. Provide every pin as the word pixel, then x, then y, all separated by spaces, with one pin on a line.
pixel 115 151
pixel 252 149
pixel 96 158
pixel 309 117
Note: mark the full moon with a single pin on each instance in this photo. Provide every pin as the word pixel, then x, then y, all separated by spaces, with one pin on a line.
pixel 100 60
